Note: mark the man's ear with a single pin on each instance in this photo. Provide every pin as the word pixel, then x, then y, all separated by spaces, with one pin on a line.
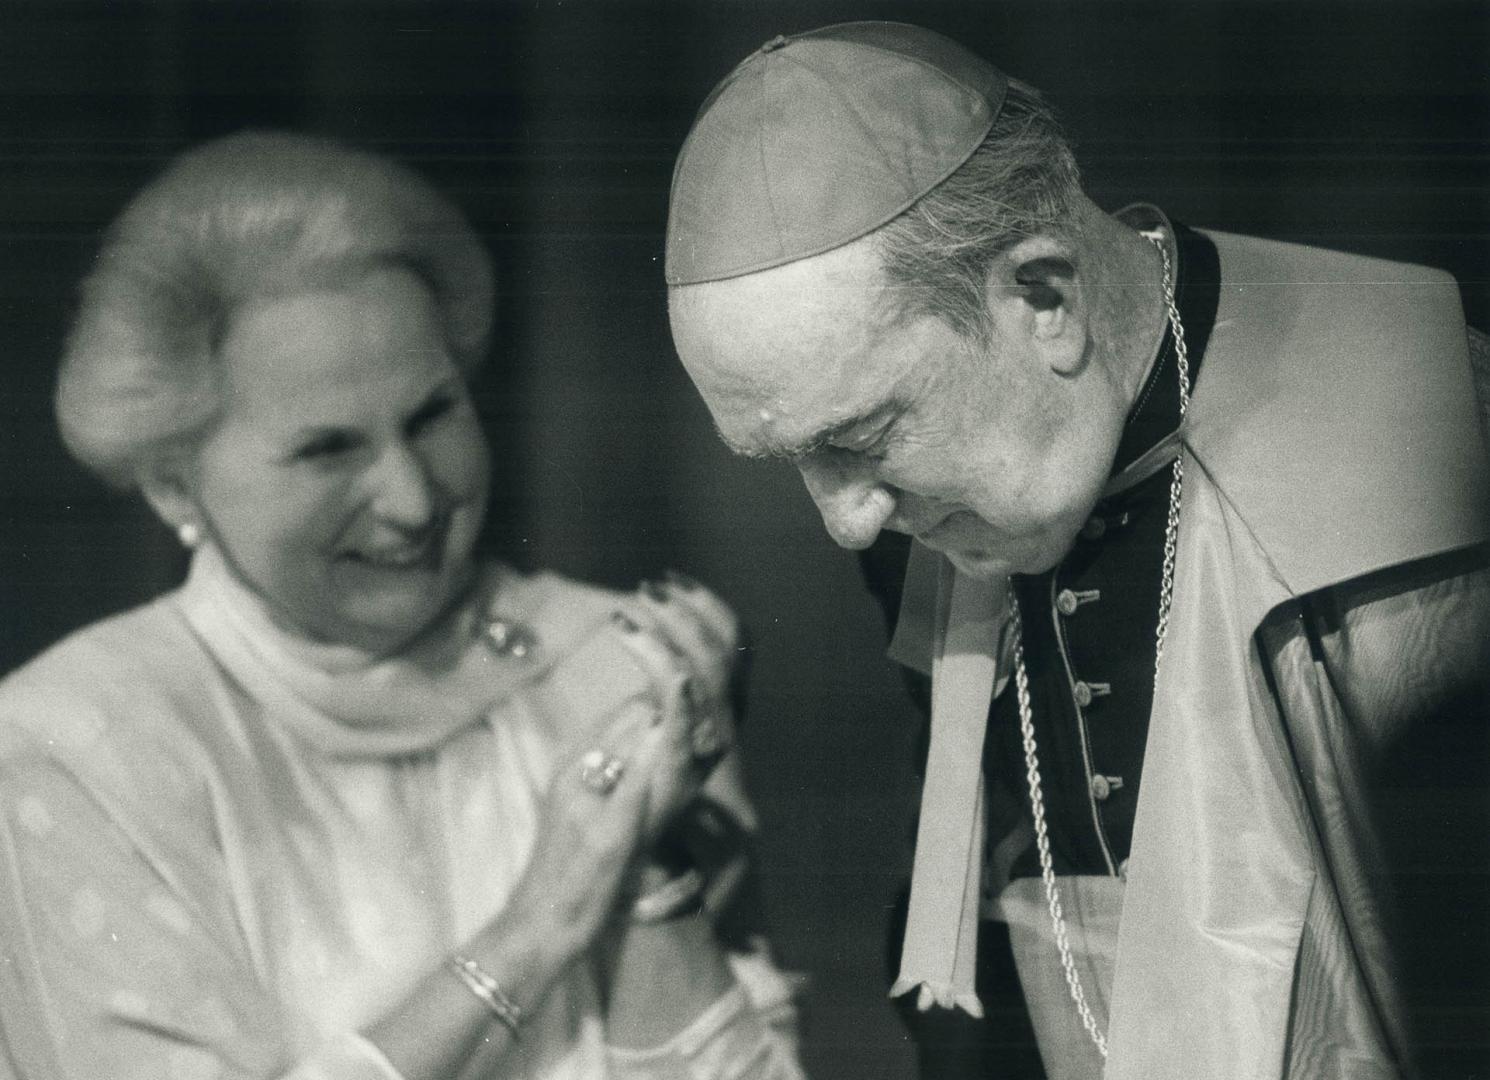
pixel 1034 295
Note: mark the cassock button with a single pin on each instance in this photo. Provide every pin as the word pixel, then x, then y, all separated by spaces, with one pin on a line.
pixel 1093 529
pixel 1066 602
pixel 1104 786
pixel 1083 694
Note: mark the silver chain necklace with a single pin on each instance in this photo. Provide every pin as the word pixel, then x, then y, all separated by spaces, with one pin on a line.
pixel 1022 682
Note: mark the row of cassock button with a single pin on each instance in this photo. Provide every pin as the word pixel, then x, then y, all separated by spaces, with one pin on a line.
pixel 1067 602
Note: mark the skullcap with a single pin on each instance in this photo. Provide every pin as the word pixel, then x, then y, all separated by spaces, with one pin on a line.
pixel 818 139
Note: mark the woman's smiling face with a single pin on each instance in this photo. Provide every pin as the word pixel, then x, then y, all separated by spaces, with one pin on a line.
pixel 346 479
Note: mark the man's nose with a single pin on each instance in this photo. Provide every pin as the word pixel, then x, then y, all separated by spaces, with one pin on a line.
pixel 403 493
pixel 855 505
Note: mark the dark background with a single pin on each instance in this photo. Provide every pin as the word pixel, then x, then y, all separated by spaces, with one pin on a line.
pixel 1361 126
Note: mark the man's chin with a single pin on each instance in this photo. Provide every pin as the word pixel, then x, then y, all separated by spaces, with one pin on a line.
pixel 982 562
pixel 980 551
pixel 979 564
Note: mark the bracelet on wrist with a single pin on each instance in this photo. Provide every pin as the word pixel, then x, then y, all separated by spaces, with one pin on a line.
pixel 676 896
pixel 487 990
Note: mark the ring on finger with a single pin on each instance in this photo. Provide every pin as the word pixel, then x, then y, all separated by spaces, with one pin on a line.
pixel 600 772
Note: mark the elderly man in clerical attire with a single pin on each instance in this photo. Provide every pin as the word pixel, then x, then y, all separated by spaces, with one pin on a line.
pixel 1192 549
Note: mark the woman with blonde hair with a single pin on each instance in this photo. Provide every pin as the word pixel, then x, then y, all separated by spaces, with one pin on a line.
pixel 351 803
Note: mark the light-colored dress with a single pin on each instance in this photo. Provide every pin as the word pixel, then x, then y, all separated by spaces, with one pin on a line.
pixel 223 849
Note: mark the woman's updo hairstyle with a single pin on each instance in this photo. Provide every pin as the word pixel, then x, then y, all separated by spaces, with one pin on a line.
pixel 248 217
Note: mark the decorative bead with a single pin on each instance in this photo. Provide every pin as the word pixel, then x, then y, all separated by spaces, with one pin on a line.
pixel 509 638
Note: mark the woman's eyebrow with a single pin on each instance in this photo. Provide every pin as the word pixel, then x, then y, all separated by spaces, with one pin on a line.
pixel 312 432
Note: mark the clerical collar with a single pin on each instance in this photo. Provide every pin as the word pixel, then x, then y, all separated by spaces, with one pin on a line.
pixel 1156 411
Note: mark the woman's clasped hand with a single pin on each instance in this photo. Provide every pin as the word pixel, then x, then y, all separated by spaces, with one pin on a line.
pixel 620 787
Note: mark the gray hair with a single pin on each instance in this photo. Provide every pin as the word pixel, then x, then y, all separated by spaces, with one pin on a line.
pixel 1022 180
pixel 251 216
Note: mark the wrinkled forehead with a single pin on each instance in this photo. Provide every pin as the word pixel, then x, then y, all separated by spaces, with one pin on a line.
pixel 800 340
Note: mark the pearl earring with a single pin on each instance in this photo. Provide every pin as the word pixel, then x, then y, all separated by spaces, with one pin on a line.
pixel 189 533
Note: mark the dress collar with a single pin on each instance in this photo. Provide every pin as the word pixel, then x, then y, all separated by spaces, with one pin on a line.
pixel 351 703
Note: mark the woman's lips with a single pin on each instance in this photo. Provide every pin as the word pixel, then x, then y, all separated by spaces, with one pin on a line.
pixel 403 557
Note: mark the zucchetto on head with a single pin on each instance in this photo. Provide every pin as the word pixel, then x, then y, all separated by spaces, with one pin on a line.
pixel 818 139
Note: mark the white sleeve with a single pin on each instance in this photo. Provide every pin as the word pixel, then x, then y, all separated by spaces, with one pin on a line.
pixel 349 1058
pixel 110 968
pixel 749 1033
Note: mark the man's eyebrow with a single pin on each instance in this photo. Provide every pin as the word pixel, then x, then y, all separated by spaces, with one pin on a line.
pixel 755 453
pixel 811 444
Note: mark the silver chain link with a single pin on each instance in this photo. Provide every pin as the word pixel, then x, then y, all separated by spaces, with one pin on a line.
pixel 1172 527
pixel 1022 682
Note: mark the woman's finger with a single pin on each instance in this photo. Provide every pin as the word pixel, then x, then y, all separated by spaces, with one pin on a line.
pixel 687 637
pixel 726 786
pixel 666 619
pixel 718 617
pixel 611 767
pixel 666 769
pixel 664 665
pixel 621 731
pixel 706 693
pixel 595 818
pixel 680 614
pixel 675 772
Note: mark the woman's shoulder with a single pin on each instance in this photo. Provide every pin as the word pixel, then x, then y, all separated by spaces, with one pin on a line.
pixel 100 747
pixel 139 668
